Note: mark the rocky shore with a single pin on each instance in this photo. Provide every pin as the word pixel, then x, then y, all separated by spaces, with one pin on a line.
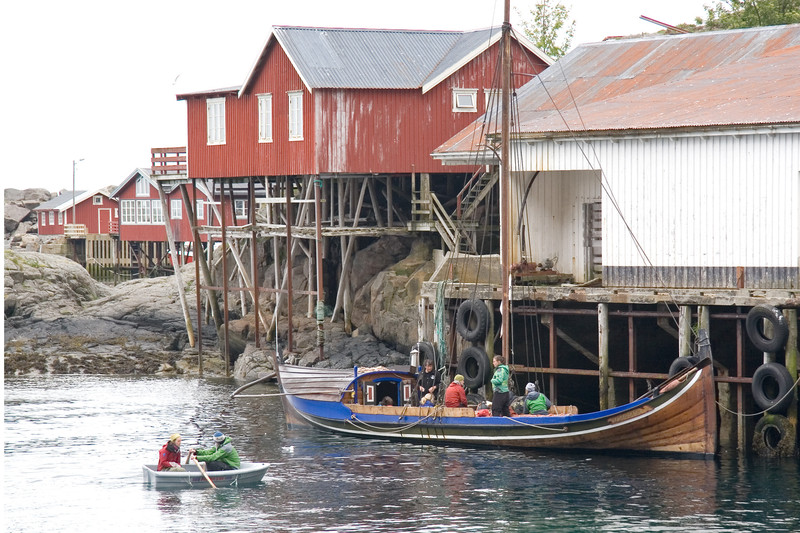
pixel 58 320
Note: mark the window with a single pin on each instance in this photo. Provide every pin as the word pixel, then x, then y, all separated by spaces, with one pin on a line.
pixel 142 187
pixel 296 116
pixel 128 211
pixel 143 211
pixel 465 100
pixel 44 219
pixel 264 118
pixel 52 218
pixel 240 208
pixel 158 212
pixel 175 212
pixel 97 199
pixel 199 210
pixel 116 212
pixel 60 218
pixel 215 120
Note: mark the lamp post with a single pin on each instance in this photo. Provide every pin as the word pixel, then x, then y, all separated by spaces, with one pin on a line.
pixel 74 164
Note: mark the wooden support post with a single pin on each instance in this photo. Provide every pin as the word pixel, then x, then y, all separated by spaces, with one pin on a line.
pixel 602 352
pixel 254 262
pixel 176 268
pixel 320 311
pixel 227 344
pixel 791 360
pixel 685 331
pixel 631 359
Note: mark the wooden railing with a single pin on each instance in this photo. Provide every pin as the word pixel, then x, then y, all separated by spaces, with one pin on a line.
pixel 168 161
pixel 73 231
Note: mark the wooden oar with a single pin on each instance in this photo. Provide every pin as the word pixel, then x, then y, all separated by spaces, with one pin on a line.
pixel 203 472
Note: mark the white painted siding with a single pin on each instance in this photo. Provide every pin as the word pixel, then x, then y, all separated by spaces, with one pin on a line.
pixel 699 206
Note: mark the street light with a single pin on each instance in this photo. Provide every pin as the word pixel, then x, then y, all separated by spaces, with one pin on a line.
pixel 74 164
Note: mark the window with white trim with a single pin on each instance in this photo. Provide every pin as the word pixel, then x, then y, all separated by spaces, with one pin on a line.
pixel 116 212
pixel 175 212
pixel 44 219
pixel 215 120
pixel 128 211
pixel 97 199
pixel 60 218
pixel 240 208
pixel 199 210
pixel 265 118
pixel 465 100
pixel 143 211
pixel 142 186
pixel 52 218
pixel 295 115
pixel 158 212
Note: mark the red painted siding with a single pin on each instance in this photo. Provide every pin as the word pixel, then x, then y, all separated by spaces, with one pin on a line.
pixel 344 130
pixel 96 217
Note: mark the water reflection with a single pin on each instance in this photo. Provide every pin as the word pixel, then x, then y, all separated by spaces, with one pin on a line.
pixel 79 442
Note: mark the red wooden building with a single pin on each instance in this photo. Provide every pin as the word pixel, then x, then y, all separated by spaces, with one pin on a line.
pixel 329 100
pixel 91 213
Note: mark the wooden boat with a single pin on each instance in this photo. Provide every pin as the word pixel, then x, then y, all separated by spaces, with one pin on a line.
pixel 676 417
pixel 247 474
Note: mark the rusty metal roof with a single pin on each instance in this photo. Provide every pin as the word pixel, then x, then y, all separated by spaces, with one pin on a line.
pixel 713 79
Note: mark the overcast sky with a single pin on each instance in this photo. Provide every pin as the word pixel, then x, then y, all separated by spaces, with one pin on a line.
pixel 96 80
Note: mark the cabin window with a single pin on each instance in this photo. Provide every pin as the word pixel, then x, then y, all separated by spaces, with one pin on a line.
pixel 52 218
pixel 143 211
pixel 215 120
pixel 97 199
pixel 240 208
pixel 175 212
pixel 296 116
pixel 60 218
pixel 142 187
pixel 465 100
pixel 264 118
pixel 200 210
pixel 44 219
pixel 158 212
pixel 116 212
pixel 128 211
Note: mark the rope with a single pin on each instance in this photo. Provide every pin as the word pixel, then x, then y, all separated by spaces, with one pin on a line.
pixel 438 326
pixel 737 413
pixel 537 426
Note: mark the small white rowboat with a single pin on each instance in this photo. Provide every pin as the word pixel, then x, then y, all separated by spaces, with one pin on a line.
pixel 247 474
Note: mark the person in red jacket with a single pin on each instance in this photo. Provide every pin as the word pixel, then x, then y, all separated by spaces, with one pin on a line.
pixel 455 396
pixel 169 458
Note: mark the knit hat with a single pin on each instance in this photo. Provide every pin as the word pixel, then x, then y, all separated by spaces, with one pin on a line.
pixel 459 378
pixel 530 387
pixel 174 437
pixel 219 436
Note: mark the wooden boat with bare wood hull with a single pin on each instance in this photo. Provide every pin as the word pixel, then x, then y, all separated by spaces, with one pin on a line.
pixel 676 417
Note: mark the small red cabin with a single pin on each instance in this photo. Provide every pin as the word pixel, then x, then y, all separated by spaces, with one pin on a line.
pixel 91 212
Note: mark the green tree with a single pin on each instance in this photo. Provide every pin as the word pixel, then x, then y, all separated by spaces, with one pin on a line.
pixel 730 14
pixel 549 20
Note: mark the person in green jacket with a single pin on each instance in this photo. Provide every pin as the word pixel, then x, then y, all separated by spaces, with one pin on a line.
pixel 501 397
pixel 223 456
pixel 536 403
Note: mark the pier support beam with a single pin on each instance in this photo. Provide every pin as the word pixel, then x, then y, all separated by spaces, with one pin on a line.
pixel 602 352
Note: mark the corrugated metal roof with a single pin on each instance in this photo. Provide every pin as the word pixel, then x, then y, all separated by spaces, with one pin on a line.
pixel 713 79
pixel 60 201
pixel 373 58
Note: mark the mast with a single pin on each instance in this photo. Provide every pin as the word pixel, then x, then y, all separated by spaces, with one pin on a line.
pixel 505 177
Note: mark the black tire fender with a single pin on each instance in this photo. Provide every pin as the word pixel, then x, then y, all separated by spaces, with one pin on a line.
pixel 755 330
pixel 773 437
pixel 426 351
pixel 772 387
pixel 474 366
pixel 682 363
pixel 472 320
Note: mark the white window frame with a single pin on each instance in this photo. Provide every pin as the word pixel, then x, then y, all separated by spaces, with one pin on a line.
pixel 97 199
pixel 143 211
pixel 116 212
pixel 128 211
pixel 175 211
pixel 265 118
pixel 295 115
pixel 52 218
pixel 240 208
pixel 215 120
pixel 156 212
pixel 44 219
pixel 465 100
pixel 200 209
pixel 142 186
pixel 60 218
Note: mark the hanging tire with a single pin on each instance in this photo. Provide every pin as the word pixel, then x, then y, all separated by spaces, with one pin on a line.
pixel 773 437
pixel 755 329
pixel 682 363
pixel 472 320
pixel 474 366
pixel 772 386
pixel 426 351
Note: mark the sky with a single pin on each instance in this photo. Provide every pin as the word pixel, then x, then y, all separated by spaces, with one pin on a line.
pixel 90 85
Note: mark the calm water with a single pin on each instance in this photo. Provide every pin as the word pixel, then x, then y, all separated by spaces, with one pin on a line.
pixel 74 446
